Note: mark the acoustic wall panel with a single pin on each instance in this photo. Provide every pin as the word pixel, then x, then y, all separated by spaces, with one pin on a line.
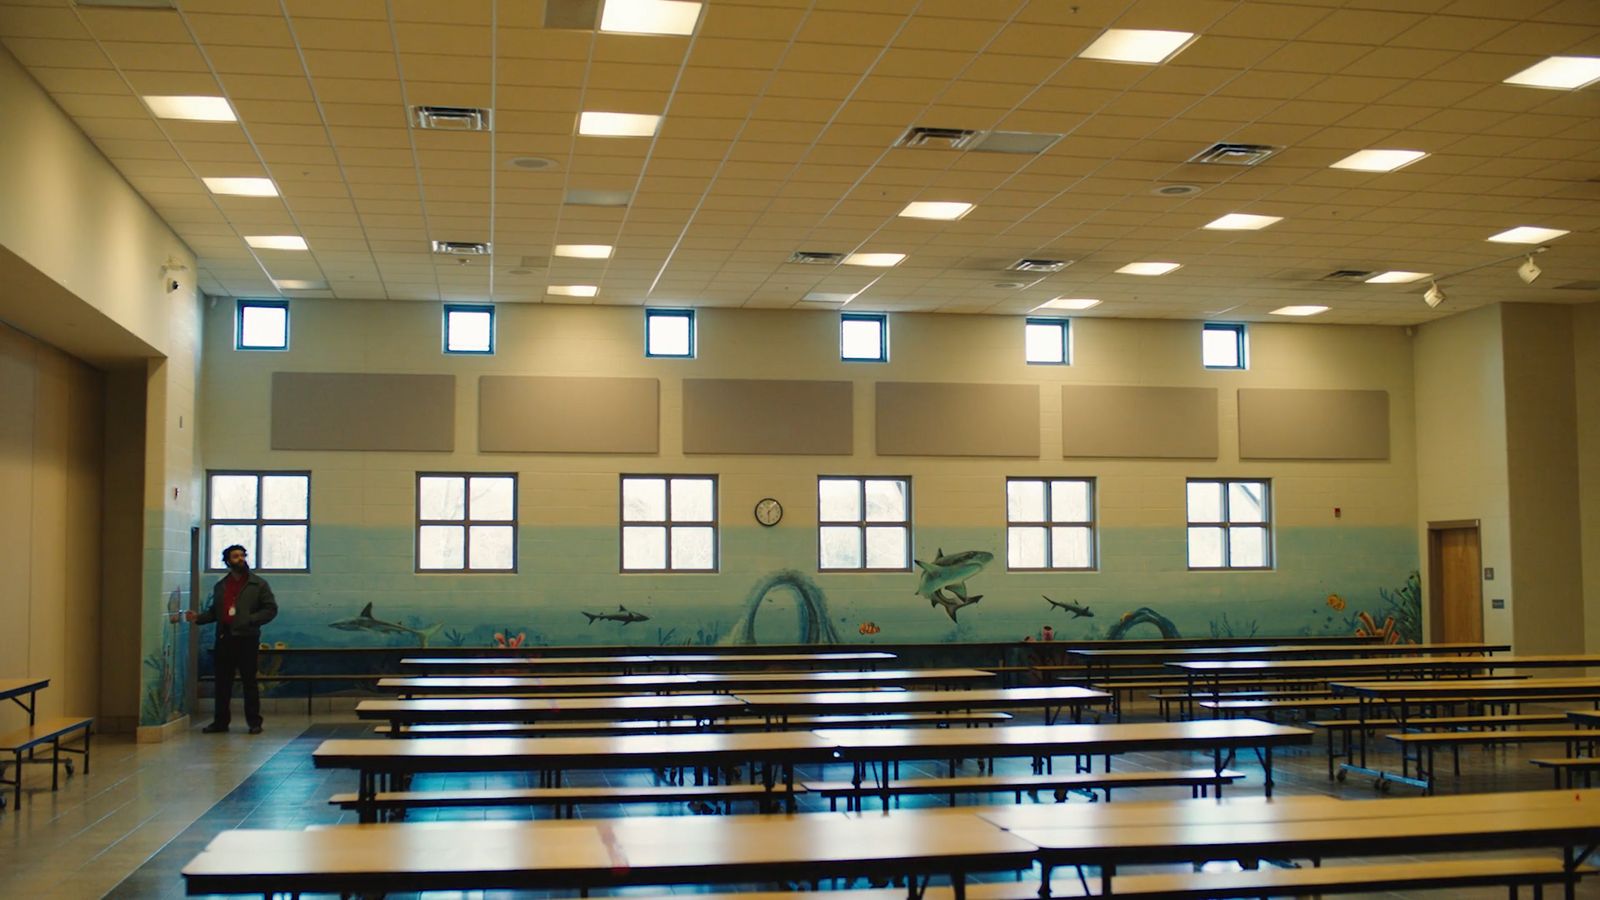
pixel 782 418
pixel 1137 422
pixel 929 419
pixel 539 414
pixel 1313 424
pixel 344 411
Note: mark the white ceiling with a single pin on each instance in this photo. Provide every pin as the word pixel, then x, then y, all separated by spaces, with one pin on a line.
pixel 780 121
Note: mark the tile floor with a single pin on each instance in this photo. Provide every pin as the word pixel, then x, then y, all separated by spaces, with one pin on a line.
pixel 126 829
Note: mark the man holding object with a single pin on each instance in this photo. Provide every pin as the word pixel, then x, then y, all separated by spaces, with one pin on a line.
pixel 241 603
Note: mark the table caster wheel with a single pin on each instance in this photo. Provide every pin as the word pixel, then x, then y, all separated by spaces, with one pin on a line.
pixel 1340 775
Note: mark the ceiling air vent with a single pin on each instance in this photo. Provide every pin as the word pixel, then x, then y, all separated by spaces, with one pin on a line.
pixel 1039 265
pixel 575 15
pixel 462 248
pixel 1347 275
pixel 1226 154
pixel 451 118
pixel 815 258
pixel 951 138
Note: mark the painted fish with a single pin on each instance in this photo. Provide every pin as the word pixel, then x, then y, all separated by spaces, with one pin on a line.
pixel 623 614
pixel 1072 606
pixel 951 572
pixel 951 604
pixel 1337 602
pixel 869 628
pixel 365 622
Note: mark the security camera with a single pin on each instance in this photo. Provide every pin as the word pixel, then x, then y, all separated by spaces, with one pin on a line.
pixel 1528 271
pixel 1433 296
pixel 173 285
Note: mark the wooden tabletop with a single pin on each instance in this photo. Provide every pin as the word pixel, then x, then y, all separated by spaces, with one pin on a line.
pixel 697 659
pixel 16 687
pixel 491 684
pixel 858 701
pixel 534 709
pixel 1281 651
pixel 660 850
pixel 1476 687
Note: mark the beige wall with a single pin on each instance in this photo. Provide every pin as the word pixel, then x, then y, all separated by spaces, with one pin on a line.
pixel 50 463
pixel 1461 445
pixel 1586 403
pixel 1542 476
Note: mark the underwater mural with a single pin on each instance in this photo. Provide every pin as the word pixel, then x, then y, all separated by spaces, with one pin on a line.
pixel 811 609
pixel 166 669
pixel 365 622
pixel 951 572
pixel 623 614
pixel 1072 606
pixel 1141 616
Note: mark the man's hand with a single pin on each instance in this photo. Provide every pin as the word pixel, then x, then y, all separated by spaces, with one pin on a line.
pixel 190 615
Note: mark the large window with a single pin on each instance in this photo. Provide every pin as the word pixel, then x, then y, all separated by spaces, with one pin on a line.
pixel 864 524
pixel 1230 524
pixel 1050 523
pixel 261 325
pixel 466 522
pixel 469 328
pixel 669 523
pixel 864 337
pixel 669 333
pixel 267 513
pixel 1223 346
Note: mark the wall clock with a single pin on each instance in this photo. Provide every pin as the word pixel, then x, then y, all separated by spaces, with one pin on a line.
pixel 769 512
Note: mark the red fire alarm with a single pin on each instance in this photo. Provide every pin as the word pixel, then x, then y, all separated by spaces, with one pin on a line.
pixel 1337 512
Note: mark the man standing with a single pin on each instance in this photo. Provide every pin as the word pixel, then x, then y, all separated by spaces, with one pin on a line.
pixel 241 603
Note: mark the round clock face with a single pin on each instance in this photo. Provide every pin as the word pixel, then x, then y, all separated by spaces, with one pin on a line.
pixel 768 512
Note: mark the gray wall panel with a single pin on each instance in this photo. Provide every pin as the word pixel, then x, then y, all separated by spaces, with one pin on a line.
pixel 344 411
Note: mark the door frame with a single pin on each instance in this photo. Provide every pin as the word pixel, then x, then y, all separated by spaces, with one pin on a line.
pixel 1435 585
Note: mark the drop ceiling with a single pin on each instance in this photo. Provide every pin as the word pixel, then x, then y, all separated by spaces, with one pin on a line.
pixel 779 134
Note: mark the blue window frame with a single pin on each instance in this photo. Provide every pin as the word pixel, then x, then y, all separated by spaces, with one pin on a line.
pixel 1046 342
pixel 469 329
pixel 669 333
pixel 1223 346
pixel 864 337
pixel 261 325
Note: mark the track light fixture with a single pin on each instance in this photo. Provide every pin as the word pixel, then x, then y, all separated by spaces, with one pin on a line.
pixel 1528 271
pixel 1433 296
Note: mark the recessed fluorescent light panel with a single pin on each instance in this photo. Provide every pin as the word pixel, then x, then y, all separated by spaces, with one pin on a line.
pixel 276 241
pixel 936 209
pixel 584 251
pixel 649 17
pixel 573 290
pixel 1378 160
pixel 1562 73
pixel 299 284
pixel 1069 303
pixel 1398 277
pixel 192 109
pixel 1242 222
pixel 1527 234
pixel 242 187
pixel 1299 310
pixel 836 297
pixel 610 124
pixel 1137 46
pixel 878 260
pixel 1149 268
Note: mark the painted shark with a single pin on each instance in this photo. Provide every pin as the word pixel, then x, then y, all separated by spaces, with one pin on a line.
pixel 951 604
pixel 951 572
pixel 1078 611
pixel 623 614
pixel 365 622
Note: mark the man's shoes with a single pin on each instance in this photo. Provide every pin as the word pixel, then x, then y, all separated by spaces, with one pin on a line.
pixel 214 728
pixel 255 729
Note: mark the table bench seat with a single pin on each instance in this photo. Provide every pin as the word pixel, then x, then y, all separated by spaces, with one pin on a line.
pixel 25 740
pixel 671 726
pixel 1197 780
pixel 1569 766
pixel 1427 743
pixel 1185 700
pixel 1345 727
pixel 566 799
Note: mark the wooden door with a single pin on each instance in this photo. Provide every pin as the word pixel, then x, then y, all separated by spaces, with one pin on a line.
pixel 1455 591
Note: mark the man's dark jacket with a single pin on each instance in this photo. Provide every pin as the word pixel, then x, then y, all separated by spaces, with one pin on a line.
pixel 255 607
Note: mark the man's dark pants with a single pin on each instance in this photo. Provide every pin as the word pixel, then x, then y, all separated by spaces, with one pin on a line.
pixel 236 654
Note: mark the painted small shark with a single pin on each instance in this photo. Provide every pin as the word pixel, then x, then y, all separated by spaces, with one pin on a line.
pixel 951 604
pixel 365 622
pixel 951 572
pixel 623 614
pixel 1078 611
